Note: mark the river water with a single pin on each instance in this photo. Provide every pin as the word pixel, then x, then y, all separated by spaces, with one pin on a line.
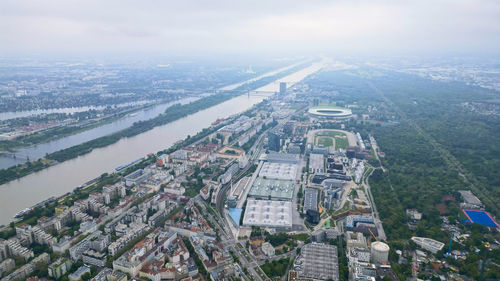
pixel 64 177
pixel 39 151
pixel 68 110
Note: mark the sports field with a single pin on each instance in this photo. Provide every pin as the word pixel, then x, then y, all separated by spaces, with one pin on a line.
pixel 480 217
pixel 331 138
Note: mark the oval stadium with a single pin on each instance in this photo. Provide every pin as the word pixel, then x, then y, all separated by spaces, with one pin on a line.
pixel 330 112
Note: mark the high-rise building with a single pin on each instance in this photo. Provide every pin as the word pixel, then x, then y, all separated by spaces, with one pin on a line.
pixel 282 88
pixel 274 140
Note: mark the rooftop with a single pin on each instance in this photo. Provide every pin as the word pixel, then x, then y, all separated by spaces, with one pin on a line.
pixel 311 199
pixel 284 171
pixel 274 188
pixel 319 261
pixel 268 213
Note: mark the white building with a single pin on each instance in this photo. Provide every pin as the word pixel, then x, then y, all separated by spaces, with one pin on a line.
pixel 379 252
pixel 268 213
pixel 316 163
pixel 267 249
pixel 280 171
pixel 428 244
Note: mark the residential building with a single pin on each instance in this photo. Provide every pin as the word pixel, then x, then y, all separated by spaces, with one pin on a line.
pixel 59 268
pixel 77 275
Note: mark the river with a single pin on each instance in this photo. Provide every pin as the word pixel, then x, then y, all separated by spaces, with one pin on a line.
pixel 68 110
pixel 38 151
pixel 64 177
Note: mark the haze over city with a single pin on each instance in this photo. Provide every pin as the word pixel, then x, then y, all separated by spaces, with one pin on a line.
pixel 197 28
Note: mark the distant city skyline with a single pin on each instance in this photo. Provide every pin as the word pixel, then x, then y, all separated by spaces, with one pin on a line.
pixel 361 27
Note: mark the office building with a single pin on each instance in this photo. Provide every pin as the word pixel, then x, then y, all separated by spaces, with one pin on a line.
pixel 310 199
pixel 282 88
pixel 274 140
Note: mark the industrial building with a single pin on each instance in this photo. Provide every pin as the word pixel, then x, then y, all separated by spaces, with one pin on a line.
pixel 268 213
pixel 310 199
pixel 282 158
pixel 316 163
pixel 280 171
pixel 272 189
pixel 318 261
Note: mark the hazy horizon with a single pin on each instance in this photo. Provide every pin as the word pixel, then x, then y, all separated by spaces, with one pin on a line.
pixel 225 28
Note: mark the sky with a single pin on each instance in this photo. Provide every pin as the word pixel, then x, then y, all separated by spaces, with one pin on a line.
pixel 233 27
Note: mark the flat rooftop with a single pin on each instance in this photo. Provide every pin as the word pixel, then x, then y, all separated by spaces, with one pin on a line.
pixel 470 198
pixel 282 158
pixel 319 261
pixel 282 171
pixel 239 187
pixel 311 199
pixel 317 162
pixel 268 213
pixel 273 188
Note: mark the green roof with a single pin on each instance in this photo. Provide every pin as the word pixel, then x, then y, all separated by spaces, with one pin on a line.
pixel 277 189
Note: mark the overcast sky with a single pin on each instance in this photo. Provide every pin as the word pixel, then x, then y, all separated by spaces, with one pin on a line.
pixel 250 27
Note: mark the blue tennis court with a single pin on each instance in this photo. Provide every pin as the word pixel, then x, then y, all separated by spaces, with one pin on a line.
pixel 480 217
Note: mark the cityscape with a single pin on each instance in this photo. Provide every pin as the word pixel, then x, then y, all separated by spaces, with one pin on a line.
pixel 194 166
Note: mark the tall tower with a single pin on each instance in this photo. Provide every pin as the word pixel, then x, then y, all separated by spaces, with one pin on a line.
pixel 282 88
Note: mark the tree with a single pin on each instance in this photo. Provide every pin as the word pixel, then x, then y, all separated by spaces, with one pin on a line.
pixel 86 276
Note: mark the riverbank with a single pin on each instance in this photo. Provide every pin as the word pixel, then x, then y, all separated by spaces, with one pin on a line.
pixel 62 178
pixel 11 146
pixel 173 113
pixel 113 125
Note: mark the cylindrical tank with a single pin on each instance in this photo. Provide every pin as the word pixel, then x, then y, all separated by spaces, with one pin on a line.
pixel 379 252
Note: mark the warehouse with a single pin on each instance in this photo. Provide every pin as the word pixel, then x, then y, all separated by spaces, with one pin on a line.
pixel 280 171
pixel 268 213
pixel 272 189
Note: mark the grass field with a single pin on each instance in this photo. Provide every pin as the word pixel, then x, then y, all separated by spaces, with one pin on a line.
pixel 327 138
pixel 324 141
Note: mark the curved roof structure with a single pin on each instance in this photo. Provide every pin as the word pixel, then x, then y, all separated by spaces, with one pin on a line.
pixel 330 112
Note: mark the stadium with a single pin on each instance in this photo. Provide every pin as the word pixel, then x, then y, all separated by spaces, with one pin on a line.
pixel 330 112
